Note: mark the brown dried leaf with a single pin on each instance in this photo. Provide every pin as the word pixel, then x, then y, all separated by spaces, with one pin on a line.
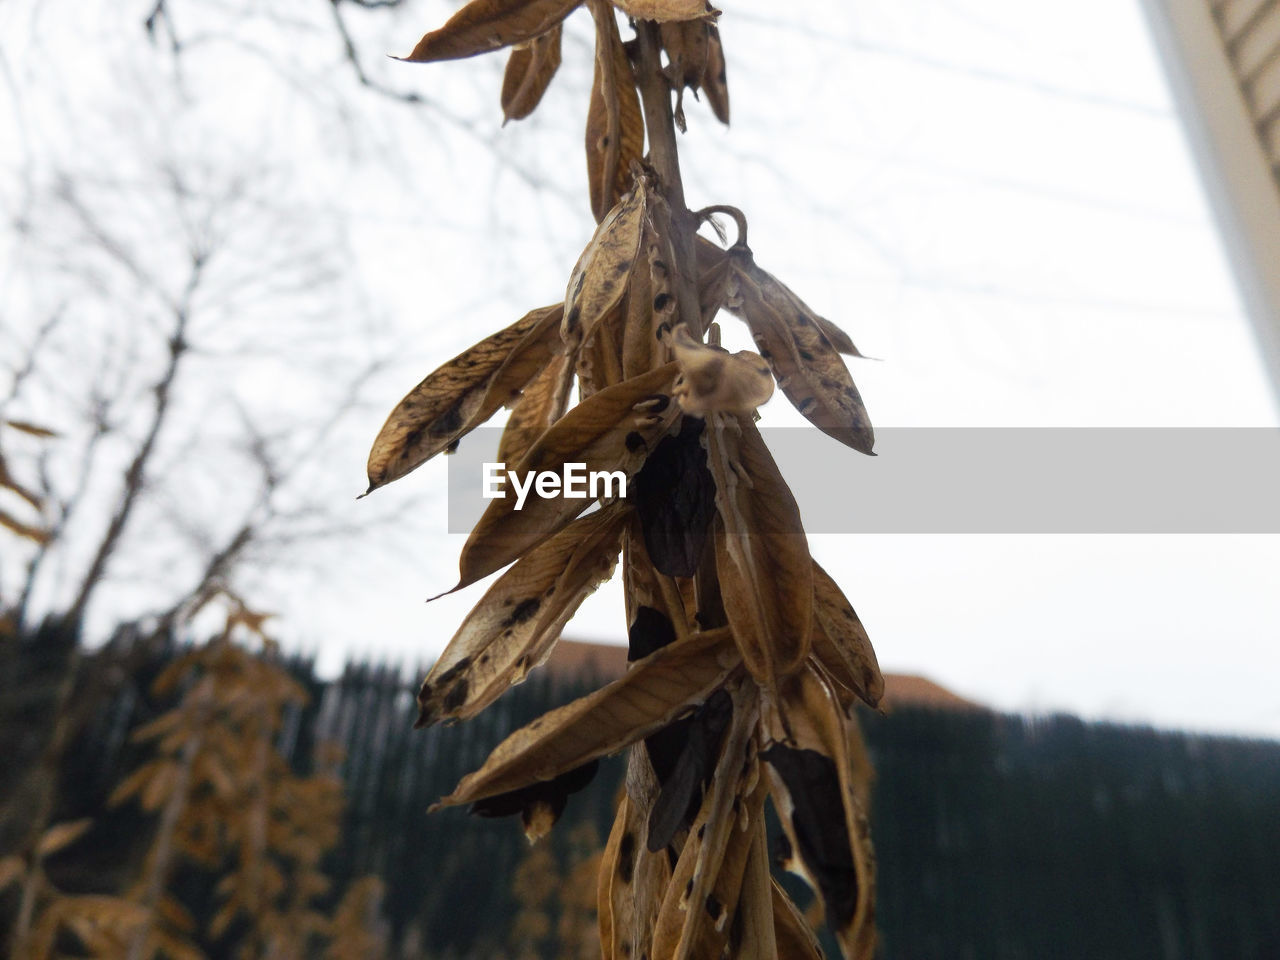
pixel 615 125
pixel 611 915
pixel 714 82
pixel 461 394
pixel 600 276
pixel 34 429
pixel 541 404
pixel 796 940
pixel 610 431
pixel 135 781
pixel 485 25
pixel 754 919
pixel 808 367
pixel 841 644
pixel 164 780
pixel 646 698
pixel 664 10
pixel 631 885
pixel 62 835
pixel 762 556
pixel 712 379
pixel 515 625
pixel 529 72
pixel 687 44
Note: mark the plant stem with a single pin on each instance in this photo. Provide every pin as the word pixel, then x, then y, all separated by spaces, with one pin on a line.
pixel 659 121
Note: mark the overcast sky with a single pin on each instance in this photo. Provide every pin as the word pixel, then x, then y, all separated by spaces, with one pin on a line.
pixel 999 202
pixel 995 198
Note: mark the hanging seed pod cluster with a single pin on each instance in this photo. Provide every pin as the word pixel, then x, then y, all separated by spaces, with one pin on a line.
pixel 746 659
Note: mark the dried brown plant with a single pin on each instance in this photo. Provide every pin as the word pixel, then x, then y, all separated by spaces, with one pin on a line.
pixel 227 802
pixel 747 659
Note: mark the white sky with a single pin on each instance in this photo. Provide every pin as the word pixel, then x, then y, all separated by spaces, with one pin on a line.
pixel 994 197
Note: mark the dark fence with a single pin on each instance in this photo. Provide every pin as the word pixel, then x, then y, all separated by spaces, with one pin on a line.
pixel 998 837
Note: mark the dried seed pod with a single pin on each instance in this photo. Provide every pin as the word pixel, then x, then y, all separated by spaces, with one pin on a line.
pixel 460 395
pixel 713 379
pixel 529 71
pixel 540 404
pixel 650 303
pixel 687 45
pixel 598 359
pixel 631 884
pixel 518 621
pixel 762 557
pixel 615 125
pixel 610 431
pixel 646 698
pixel 841 644
pixel 599 278
pixel 774 654
pixel 486 25
pixel 808 367
pixel 639 344
pixel 665 10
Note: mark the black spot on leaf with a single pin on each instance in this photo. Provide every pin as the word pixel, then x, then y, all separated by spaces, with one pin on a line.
pixel 457 694
pixel 523 611
pixel 450 420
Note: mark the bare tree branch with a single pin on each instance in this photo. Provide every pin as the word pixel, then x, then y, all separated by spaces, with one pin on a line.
pixel 135 475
